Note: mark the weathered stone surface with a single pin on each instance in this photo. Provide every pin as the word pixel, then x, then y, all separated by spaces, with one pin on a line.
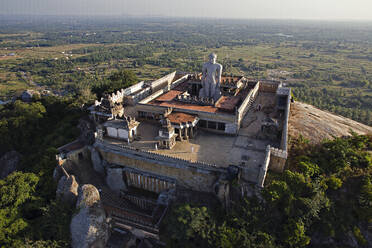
pixel 57 173
pixel 96 161
pixel 222 189
pixel 166 197
pixel 304 119
pixel 188 177
pixel 114 179
pixel 89 227
pixel 211 78
pixel 67 189
pixel 9 163
pixel 87 129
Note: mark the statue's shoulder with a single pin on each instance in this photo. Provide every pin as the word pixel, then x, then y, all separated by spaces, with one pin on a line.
pixel 219 66
pixel 206 64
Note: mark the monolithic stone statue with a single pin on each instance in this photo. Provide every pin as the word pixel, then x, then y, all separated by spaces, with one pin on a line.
pixel 211 79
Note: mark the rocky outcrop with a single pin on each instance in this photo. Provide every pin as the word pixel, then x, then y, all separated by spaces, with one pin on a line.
pixel 87 129
pixel 57 173
pixel 9 163
pixel 96 161
pixel 67 189
pixel 89 227
pixel 304 119
pixel 114 179
pixel 222 189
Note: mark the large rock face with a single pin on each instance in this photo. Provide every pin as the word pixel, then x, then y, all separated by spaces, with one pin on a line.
pixel 315 124
pixel 87 129
pixel 9 163
pixel 89 227
pixel 67 189
pixel 96 161
pixel 114 179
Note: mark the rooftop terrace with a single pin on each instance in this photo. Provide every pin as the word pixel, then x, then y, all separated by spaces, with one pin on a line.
pixel 226 104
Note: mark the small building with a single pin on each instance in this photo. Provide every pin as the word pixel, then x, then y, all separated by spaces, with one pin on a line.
pixel 27 95
pixel 105 110
pixel 167 136
pixel 125 129
pixel 185 125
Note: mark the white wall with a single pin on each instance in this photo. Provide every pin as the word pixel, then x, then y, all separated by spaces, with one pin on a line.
pixel 122 134
pixel 112 132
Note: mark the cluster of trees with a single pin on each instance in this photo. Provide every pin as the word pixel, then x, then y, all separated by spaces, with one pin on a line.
pixel 118 80
pixel 325 195
pixel 30 215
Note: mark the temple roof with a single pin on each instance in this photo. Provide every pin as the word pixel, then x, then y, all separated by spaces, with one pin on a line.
pixel 179 118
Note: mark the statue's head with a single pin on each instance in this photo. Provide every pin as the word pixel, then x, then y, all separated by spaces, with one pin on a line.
pixel 212 58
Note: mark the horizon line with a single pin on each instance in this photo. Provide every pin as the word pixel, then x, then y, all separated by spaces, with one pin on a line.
pixel 187 17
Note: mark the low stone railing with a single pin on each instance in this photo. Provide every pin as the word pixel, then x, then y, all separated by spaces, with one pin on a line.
pixel 248 101
pixel 162 157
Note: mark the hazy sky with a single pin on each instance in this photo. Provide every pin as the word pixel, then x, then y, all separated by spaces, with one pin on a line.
pixel 286 9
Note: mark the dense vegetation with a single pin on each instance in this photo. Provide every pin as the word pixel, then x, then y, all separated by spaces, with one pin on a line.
pixel 29 213
pixel 325 194
pixel 328 64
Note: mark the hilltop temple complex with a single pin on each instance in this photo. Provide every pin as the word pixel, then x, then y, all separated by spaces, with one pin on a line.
pixel 183 134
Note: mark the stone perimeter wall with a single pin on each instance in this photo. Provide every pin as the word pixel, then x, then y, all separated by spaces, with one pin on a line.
pixel 279 156
pixel 194 176
pixel 263 170
pixel 244 107
pixel 284 141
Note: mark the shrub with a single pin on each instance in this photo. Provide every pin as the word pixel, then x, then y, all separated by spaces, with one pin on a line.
pixel 334 182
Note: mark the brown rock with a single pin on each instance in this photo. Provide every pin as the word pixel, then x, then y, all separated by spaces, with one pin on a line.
pixel 316 125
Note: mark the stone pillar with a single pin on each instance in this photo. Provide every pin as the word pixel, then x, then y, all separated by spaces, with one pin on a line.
pixel 191 132
pixel 186 133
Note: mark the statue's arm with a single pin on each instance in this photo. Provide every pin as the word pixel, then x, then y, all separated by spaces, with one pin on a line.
pixel 204 72
pixel 219 74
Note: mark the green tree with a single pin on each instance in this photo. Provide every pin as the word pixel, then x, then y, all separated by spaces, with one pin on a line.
pixel 294 234
pixel 15 190
pixel 117 80
pixel 190 227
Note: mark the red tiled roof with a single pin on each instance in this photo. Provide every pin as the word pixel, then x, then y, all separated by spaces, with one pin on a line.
pixel 169 96
pixel 175 104
pixel 227 102
pixel 180 118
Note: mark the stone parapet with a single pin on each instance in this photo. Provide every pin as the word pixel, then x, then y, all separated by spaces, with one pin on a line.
pixel 248 101
pixel 159 157
pixel 278 152
pixel 284 141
